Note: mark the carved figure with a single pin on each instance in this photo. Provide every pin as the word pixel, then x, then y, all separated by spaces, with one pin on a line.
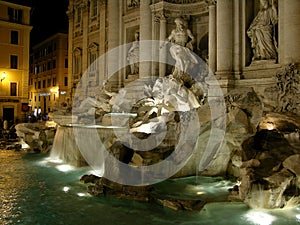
pixel 133 3
pixel 133 55
pixel 183 39
pixel 261 32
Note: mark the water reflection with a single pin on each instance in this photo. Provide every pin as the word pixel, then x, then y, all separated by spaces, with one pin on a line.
pixel 13 182
pixel 34 193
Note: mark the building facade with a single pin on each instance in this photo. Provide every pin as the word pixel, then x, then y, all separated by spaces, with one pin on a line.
pixel 221 28
pixel 14 61
pixel 48 80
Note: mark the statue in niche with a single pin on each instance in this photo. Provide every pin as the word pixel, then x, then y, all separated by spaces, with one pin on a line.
pixel 261 32
pixel 183 39
pixel 133 54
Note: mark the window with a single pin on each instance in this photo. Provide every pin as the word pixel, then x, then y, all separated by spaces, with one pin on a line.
pixel 14 62
pixel 54 64
pixel 44 83
pixel 48 82
pixel 35 85
pixel 35 98
pixel 77 62
pixel 49 49
pixel 14 37
pixel 39 84
pixel 36 69
pixel 13 89
pixel 15 15
pixel 49 66
pixel 94 8
pixel 93 54
pixel 93 64
pixel 54 81
pixel 78 16
pixel 66 81
pixel 66 63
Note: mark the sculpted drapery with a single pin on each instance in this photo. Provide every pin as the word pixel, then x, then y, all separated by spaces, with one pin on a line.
pixel 261 32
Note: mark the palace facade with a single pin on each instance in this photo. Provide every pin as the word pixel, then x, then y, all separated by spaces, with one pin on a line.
pixel 221 28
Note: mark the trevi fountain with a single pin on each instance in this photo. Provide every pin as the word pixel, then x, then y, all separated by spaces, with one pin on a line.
pixel 187 147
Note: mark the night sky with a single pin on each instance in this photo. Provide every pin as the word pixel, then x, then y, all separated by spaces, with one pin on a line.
pixel 47 17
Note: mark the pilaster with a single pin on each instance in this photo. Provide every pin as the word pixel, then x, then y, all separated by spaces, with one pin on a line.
pixel 289 31
pixel 145 35
pixel 212 41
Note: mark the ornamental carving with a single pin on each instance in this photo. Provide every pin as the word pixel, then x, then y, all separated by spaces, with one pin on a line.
pixel 211 2
pixel 159 15
pixel 133 3
pixel 288 90
pixel 183 1
pixel 177 10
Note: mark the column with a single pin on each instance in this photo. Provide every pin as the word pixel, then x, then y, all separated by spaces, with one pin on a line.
pixel 289 31
pixel 224 38
pixel 155 47
pixel 70 14
pixel 237 39
pixel 145 35
pixel 85 28
pixel 162 52
pixel 113 37
pixel 102 41
pixel 212 60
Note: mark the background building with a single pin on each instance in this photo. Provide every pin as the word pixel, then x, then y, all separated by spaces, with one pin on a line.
pixel 14 60
pixel 48 79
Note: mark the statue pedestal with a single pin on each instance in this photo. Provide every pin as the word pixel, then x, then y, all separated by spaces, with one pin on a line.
pixel 130 78
pixel 260 69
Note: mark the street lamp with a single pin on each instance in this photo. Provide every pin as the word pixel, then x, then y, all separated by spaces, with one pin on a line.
pixel 3 76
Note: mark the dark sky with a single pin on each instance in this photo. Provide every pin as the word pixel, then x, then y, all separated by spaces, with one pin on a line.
pixel 47 17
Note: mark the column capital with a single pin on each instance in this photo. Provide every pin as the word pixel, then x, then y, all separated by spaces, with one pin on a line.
pixel 84 5
pixel 211 2
pixel 102 2
pixel 70 13
pixel 159 16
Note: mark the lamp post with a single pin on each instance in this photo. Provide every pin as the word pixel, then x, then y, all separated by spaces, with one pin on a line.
pixel 3 76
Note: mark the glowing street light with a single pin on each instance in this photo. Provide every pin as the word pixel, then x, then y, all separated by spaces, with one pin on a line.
pixel 3 76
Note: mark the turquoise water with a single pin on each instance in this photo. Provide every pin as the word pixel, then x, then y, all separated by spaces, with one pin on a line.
pixel 34 191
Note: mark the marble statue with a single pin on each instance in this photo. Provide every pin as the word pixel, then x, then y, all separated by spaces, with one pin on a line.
pixel 183 39
pixel 261 32
pixel 133 55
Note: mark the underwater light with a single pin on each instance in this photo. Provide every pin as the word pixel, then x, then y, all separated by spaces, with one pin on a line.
pixel 66 189
pixel 81 194
pixel 260 218
pixel 270 126
pixel 55 160
pixel 64 168
pixel 298 217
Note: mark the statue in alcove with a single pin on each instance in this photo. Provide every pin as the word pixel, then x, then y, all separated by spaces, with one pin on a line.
pixel 182 51
pixel 261 32
pixel 133 54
